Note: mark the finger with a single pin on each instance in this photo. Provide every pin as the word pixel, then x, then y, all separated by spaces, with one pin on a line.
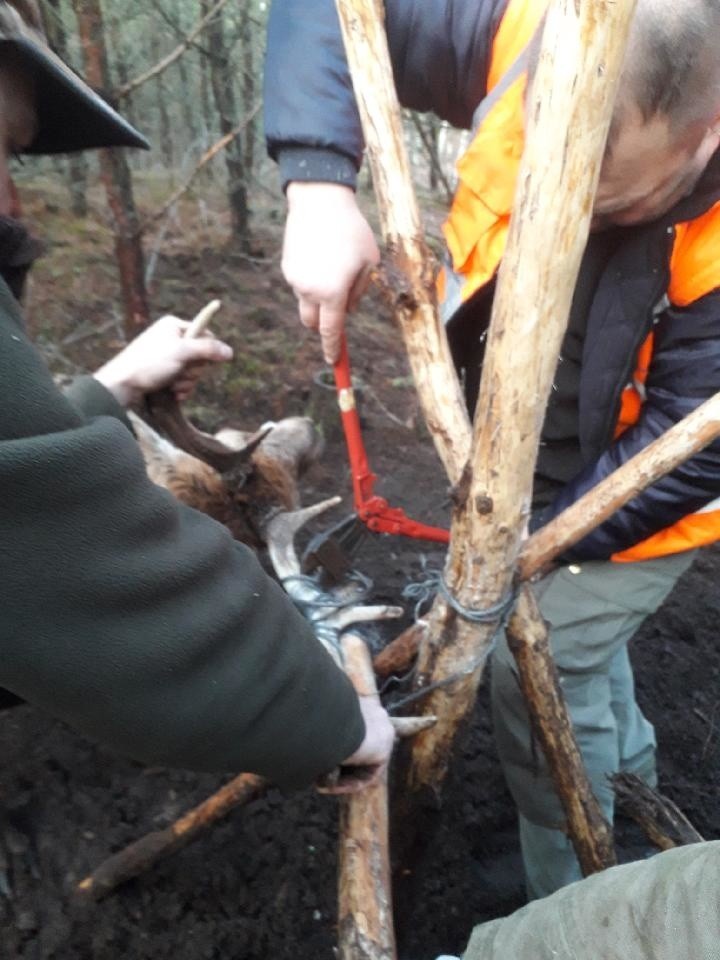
pixel 170 323
pixel 182 394
pixel 362 282
pixel 332 323
pixel 205 349
pixel 350 780
pixel 309 313
pixel 183 387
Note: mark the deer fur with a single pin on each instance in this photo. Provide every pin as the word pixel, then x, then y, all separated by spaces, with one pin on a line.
pixel 241 503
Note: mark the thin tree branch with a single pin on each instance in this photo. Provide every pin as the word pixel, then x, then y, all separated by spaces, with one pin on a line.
pixel 432 154
pixel 209 155
pixel 167 61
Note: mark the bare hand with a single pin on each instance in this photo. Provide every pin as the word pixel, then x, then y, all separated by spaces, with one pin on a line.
pixel 328 253
pixel 160 357
pixel 369 761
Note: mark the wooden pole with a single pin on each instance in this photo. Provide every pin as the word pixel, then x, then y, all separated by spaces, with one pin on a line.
pixel 568 116
pixel 153 847
pixel 679 443
pixel 664 823
pixel 365 925
pixel 409 284
pixel 692 434
pixel 590 833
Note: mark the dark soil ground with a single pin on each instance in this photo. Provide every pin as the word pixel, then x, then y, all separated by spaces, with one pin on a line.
pixel 262 883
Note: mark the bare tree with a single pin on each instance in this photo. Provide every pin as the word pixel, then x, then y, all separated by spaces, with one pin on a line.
pixel 76 165
pixel 115 175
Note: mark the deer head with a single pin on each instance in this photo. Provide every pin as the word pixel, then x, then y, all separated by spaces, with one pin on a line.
pixel 238 478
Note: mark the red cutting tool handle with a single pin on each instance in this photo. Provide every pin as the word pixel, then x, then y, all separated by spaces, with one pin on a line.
pixel 373 511
pixel 362 476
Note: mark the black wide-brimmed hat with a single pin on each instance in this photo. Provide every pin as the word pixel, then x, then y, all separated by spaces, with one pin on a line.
pixel 71 116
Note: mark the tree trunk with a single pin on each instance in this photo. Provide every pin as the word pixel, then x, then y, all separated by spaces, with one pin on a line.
pixel 116 177
pixel 186 101
pixel 249 90
pixel 76 164
pixel 223 81
pixel 166 139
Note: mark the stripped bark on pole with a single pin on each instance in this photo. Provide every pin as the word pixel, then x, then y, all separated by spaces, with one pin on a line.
pixel 678 444
pixel 692 434
pixel 664 823
pixel 527 636
pixel 153 847
pixel 409 284
pixel 568 116
pixel 569 112
pixel 365 924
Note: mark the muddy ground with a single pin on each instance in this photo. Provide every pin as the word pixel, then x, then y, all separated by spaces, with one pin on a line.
pixel 262 883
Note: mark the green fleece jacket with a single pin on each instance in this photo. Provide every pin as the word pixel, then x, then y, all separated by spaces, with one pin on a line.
pixel 137 620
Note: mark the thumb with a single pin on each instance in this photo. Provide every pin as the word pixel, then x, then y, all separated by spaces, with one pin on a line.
pixel 206 349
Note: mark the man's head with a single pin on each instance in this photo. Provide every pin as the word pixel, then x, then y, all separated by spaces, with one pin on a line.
pixel 666 125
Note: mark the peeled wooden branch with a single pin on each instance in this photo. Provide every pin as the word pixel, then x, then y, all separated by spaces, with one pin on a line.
pixel 663 822
pixel 665 454
pixel 141 855
pixel 590 833
pixel 167 61
pixel 688 437
pixel 148 850
pixel 365 924
pixel 410 288
pixel 568 115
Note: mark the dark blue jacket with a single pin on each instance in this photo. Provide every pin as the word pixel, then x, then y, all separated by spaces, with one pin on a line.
pixel 440 51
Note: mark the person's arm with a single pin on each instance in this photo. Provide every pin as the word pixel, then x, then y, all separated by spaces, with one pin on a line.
pixel 685 371
pixel 440 53
pixel 139 621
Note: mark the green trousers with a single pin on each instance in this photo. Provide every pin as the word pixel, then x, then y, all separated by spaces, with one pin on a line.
pixel 593 610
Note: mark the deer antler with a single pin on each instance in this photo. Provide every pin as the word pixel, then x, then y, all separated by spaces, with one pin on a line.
pixel 163 412
pixel 329 612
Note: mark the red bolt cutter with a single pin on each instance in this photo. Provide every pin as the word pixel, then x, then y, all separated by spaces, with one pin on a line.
pixel 373 511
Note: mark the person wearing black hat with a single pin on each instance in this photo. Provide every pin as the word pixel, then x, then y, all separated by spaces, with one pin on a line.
pixel 135 619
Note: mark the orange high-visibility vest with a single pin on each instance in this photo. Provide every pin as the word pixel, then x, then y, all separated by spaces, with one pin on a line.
pixel 476 234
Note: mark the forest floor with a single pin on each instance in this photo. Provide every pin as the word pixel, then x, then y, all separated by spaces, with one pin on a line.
pixel 262 882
